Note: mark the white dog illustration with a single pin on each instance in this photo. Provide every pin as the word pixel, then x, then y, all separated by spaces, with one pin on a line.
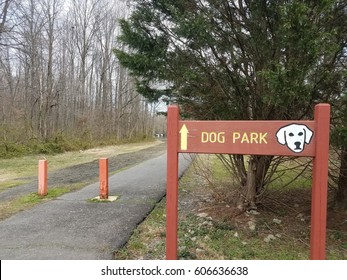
pixel 294 136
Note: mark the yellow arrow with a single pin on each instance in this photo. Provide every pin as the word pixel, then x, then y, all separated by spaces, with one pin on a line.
pixel 184 137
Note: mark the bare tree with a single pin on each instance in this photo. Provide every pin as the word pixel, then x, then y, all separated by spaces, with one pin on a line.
pixel 59 74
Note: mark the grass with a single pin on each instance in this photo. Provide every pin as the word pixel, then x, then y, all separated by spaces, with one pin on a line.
pixel 10 184
pixel 16 171
pixel 16 144
pixel 209 228
pixel 13 206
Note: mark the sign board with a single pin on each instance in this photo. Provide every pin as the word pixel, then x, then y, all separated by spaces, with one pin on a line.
pixel 247 138
pixel 287 138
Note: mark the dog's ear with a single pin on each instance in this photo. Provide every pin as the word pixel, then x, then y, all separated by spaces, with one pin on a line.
pixel 281 137
pixel 308 135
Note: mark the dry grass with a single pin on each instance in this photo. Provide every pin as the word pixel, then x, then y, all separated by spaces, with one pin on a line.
pixel 16 171
pixel 211 228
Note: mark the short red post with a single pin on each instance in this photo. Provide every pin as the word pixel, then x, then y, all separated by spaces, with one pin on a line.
pixel 103 177
pixel 172 183
pixel 320 182
pixel 42 178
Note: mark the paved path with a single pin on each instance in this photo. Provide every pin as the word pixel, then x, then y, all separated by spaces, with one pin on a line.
pixel 72 227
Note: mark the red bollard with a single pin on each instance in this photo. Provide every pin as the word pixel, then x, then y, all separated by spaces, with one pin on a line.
pixel 103 177
pixel 42 178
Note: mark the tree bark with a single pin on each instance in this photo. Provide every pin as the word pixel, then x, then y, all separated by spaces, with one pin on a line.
pixel 256 172
pixel 251 184
pixel 3 16
pixel 341 196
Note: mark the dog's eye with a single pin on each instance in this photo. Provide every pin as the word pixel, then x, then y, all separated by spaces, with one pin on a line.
pixel 301 134
pixel 291 134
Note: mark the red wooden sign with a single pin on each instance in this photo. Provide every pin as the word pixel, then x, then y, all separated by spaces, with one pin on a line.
pixel 288 138
pixel 247 138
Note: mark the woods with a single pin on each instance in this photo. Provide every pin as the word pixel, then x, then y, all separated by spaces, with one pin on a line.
pixel 60 82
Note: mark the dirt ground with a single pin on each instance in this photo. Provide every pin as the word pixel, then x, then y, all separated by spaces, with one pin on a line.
pixel 89 171
pixel 286 214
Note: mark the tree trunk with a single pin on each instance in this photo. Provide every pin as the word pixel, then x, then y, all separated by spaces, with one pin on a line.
pixel 251 184
pixel 341 197
pixel 256 172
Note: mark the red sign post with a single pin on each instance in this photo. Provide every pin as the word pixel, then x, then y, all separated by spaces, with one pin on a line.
pixel 287 138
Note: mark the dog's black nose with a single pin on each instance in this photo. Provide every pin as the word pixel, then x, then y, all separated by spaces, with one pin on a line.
pixel 297 145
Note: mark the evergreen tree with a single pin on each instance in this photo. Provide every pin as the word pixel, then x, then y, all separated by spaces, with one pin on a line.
pixel 228 59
